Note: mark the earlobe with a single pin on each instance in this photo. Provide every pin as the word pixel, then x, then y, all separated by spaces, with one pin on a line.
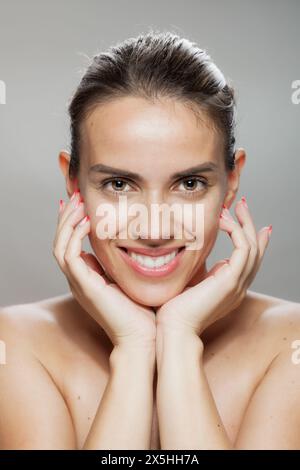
pixel 230 197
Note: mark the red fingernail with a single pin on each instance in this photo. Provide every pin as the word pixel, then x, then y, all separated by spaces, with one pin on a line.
pixel 84 220
pixel 270 228
pixel 225 214
pixel 243 199
pixel 61 202
pixel 224 207
pixel 74 194
pixel 79 201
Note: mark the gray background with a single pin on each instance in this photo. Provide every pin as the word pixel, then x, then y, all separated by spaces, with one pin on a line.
pixel 43 51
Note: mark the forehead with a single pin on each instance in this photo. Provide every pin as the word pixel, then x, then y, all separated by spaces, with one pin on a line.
pixel 132 128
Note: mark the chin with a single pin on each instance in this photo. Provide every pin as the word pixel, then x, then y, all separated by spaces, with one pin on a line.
pixel 151 295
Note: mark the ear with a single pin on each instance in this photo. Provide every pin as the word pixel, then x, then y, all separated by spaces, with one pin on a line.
pixel 234 177
pixel 64 164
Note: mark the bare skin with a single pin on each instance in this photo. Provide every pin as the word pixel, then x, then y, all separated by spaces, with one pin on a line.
pixel 75 352
pixel 81 371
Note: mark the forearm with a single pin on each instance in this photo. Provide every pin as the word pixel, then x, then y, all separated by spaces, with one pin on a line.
pixel 187 414
pixel 124 416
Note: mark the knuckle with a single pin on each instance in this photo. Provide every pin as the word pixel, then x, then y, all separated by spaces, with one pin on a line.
pixel 67 258
pixel 257 256
pixel 254 246
pixel 232 284
pixel 240 292
pixel 55 252
pixel 248 247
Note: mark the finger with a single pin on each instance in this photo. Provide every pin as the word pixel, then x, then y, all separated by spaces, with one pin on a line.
pixel 74 256
pixel 70 205
pixel 239 258
pixel 76 266
pixel 63 234
pixel 61 206
pixel 263 240
pixel 264 236
pixel 245 219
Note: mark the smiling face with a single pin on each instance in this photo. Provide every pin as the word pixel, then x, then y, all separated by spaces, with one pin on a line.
pixel 152 153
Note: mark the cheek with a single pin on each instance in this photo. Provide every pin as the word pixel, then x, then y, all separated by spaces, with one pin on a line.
pixel 211 218
pixel 204 223
pixel 211 229
pixel 99 246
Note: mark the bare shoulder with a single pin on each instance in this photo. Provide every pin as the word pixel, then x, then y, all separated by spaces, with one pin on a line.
pixel 272 416
pixel 52 328
pixel 25 325
pixel 277 319
pixel 55 350
pixel 269 327
pixel 27 385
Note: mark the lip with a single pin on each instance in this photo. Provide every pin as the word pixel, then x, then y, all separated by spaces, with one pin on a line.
pixel 152 251
pixel 153 272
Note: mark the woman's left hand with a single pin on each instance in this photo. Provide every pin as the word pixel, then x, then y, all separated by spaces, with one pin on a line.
pixel 225 285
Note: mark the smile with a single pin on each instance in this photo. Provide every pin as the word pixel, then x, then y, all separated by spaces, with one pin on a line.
pixel 152 265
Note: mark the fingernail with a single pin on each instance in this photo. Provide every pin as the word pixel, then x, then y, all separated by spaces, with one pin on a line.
pixel 84 220
pixel 74 194
pixel 61 202
pixel 79 201
pixel 225 214
pixel 270 228
pixel 243 199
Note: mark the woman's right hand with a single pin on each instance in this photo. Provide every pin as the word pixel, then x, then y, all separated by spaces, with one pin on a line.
pixel 124 321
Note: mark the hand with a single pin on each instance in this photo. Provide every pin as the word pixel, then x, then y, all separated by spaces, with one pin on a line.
pixel 225 285
pixel 124 321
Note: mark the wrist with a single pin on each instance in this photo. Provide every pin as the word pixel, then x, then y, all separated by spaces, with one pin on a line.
pixel 180 335
pixel 173 342
pixel 133 353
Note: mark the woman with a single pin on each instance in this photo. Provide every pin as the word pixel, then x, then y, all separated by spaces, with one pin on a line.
pixel 150 349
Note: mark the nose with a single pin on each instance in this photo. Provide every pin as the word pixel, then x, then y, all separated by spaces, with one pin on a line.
pixel 158 220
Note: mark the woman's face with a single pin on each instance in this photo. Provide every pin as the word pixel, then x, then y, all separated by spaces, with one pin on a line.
pixel 146 147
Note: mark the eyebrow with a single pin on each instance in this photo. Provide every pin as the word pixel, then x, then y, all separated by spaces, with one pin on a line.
pixel 101 168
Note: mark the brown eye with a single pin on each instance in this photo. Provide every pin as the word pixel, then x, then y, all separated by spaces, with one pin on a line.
pixel 116 186
pixel 193 185
pixel 190 184
pixel 119 184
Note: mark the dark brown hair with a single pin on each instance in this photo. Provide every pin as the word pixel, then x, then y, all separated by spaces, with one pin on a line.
pixel 156 65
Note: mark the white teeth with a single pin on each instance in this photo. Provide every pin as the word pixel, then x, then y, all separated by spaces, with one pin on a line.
pixel 152 262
